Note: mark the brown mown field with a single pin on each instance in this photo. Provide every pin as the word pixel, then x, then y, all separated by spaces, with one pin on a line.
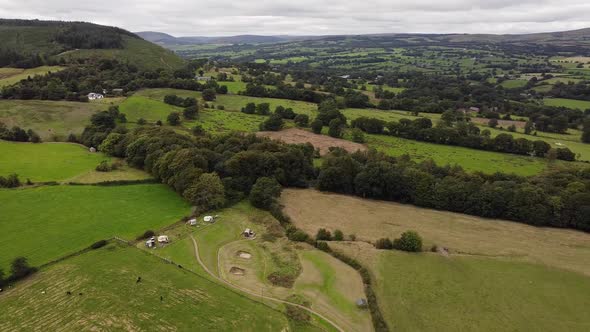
pixel 462 234
pixel 322 142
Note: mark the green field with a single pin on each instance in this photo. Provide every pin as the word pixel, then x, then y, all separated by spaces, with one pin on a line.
pixel 46 223
pixel 47 161
pixel 136 107
pixel 512 84
pixel 469 159
pixel 105 296
pixel 569 103
pixel 50 119
pixel 428 292
pixel 9 76
pixel 233 102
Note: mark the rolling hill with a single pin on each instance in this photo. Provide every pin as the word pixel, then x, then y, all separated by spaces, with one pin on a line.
pixel 30 43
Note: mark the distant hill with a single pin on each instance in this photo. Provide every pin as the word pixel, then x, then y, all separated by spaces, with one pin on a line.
pixel 564 40
pixel 30 43
pixel 168 40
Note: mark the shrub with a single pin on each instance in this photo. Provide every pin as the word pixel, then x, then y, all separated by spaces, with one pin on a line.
pixel 98 244
pixel 323 246
pixel 273 123
pixel 301 120
pixel 323 235
pixel 173 119
pixel 250 108
pixel 335 128
pixel 265 192
pixel 190 113
pixel 208 94
pixel 297 235
pixel 384 243
pixel 409 241
pixel 146 235
pixel 358 136
pixel 338 235
pixel 316 126
pixel 198 130
pixel 20 268
pixel 141 121
pixel 103 167
pixel 11 181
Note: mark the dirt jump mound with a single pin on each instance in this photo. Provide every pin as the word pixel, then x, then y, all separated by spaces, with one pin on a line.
pixel 244 254
pixel 237 271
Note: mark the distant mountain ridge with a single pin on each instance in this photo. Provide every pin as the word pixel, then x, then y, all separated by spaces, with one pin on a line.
pixel 571 37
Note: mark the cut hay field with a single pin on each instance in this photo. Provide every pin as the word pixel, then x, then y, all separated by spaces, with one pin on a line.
pixel 47 161
pixel 370 220
pixel 49 118
pixel 569 103
pixel 469 159
pixel 430 292
pixel 321 142
pixel 106 297
pixel 9 76
pixel 45 223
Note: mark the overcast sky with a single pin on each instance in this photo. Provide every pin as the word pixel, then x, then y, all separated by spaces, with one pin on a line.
pixel 312 17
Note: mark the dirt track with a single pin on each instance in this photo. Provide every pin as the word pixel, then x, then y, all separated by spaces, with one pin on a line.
pixel 322 142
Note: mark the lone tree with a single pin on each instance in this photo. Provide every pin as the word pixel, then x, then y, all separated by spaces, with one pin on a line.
pixel 409 241
pixel 207 193
pixel 273 123
pixel 301 120
pixel 190 113
pixel 317 126
pixel 265 192
pixel 208 94
pixel 173 119
pixel 335 128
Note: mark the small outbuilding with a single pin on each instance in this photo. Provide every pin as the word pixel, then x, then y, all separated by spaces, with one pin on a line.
pixel 92 149
pixel 248 233
pixel 163 239
pixel 151 242
pixel 192 221
pixel 361 303
pixel 94 96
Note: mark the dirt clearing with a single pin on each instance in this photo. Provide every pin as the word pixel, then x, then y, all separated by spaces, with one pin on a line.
pixel 322 142
pixel 370 220
pixel 244 255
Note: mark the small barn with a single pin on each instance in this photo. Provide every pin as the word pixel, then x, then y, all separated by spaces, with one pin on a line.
pixel 92 149
pixel 163 239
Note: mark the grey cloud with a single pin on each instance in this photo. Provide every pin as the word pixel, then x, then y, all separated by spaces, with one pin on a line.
pixel 309 17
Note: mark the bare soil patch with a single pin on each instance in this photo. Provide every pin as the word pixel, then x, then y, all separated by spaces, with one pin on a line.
pixel 461 234
pixel 244 254
pixel 321 142
pixel 237 271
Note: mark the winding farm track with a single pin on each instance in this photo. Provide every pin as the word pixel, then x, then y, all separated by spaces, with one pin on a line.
pixel 243 290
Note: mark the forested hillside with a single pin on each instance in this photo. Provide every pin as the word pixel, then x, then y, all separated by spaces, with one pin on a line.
pixel 32 43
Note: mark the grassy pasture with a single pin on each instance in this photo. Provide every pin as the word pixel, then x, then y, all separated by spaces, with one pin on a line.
pixel 47 161
pixel 45 223
pixel 469 159
pixel 112 300
pixel 462 234
pixel 512 84
pixel 569 103
pixel 49 118
pixel 233 102
pixel 430 292
pixel 136 107
pixel 9 76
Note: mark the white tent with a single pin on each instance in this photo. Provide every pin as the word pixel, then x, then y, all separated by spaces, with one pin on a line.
pixel 162 238
pixel 192 221
pixel 208 218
